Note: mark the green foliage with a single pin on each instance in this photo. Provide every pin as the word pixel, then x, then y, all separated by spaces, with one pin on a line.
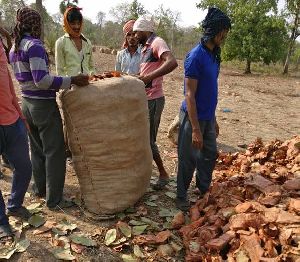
pixel 8 10
pixel 124 11
pixel 136 9
pixel 258 33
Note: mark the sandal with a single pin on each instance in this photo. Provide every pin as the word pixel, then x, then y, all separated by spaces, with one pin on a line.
pixel 6 232
pixel 21 212
pixel 161 183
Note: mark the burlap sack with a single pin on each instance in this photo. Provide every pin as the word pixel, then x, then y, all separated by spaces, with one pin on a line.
pixel 108 132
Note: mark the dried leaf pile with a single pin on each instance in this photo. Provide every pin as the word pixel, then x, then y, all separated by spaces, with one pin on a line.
pixel 252 211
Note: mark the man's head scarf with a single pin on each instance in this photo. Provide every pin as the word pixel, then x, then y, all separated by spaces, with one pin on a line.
pixel 128 27
pixel 214 22
pixel 145 24
pixel 66 25
pixel 28 21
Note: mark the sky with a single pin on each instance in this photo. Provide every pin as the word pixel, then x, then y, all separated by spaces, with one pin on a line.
pixel 190 15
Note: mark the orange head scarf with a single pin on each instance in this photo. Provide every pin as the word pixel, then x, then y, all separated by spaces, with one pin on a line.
pixel 126 29
pixel 67 27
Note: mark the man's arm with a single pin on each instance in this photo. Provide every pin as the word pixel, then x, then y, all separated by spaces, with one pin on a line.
pixel 168 65
pixel 191 88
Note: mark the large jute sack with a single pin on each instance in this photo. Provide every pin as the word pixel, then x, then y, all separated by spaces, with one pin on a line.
pixel 108 133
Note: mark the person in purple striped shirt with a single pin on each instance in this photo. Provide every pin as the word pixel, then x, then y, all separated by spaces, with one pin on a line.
pixel 30 64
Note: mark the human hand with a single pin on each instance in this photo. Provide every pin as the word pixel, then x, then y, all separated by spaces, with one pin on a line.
pixel 80 80
pixel 197 139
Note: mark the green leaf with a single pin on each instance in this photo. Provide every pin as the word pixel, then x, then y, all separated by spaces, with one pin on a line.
pixel 130 210
pixel 136 223
pixel 22 245
pixel 129 258
pixel 165 213
pixel 171 195
pixel 65 225
pixel 36 221
pixel 150 204
pixel 110 236
pixel 137 251
pixel 35 208
pixel 153 197
pixel 167 225
pixel 83 240
pixel 138 230
pixel 63 254
pixel 59 232
pixel 151 223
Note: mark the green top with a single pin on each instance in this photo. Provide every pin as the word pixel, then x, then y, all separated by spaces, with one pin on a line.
pixel 69 61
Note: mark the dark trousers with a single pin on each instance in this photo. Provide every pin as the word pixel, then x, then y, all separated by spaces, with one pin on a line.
pixel 190 158
pixel 14 146
pixel 47 148
pixel 155 108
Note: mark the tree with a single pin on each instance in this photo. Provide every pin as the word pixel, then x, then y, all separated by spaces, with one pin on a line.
pixel 125 11
pixel 258 33
pixel 293 10
pixel 167 26
pixel 39 8
pixel 121 12
pixel 136 10
pixel 65 3
pixel 9 9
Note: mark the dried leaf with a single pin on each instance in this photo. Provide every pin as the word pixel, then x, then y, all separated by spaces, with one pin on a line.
pixel 137 252
pixel 22 245
pixel 77 248
pixel 161 237
pixel 153 198
pixel 136 223
pixel 150 204
pixel 6 252
pixel 65 225
pixel 110 236
pixel 178 220
pixel 129 258
pixel 194 213
pixel 165 250
pixel 151 223
pixel 124 228
pixel 34 208
pixel 165 213
pixel 64 254
pixel 83 240
pixel 36 221
pixel 45 228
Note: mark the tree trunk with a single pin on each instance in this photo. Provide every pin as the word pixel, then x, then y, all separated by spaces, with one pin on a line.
pixel 248 67
pixel 291 45
pixel 297 63
pixel 39 8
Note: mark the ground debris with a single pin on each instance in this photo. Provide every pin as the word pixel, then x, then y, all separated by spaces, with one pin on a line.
pixel 252 211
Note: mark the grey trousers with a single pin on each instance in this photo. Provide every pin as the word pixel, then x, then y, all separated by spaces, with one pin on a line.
pixel 47 148
pixel 155 107
pixel 190 158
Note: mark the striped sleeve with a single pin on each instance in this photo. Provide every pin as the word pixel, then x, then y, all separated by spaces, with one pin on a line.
pixel 40 72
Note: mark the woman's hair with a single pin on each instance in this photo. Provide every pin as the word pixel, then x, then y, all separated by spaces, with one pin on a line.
pixel 74 15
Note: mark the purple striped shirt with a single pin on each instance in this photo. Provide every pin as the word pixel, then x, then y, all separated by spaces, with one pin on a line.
pixel 31 69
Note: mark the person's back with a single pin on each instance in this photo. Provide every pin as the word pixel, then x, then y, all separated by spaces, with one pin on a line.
pixel 73 51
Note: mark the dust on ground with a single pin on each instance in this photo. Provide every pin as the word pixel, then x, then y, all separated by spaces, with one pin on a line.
pixel 249 106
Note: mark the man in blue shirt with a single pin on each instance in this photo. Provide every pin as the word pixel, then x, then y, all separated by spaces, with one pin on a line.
pixel 198 130
pixel 129 59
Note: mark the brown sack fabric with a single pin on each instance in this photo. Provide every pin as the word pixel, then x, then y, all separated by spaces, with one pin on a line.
pixel 108 133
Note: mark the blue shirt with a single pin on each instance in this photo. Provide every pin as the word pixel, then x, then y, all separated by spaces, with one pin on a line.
pixel 200 64
pixel 127 63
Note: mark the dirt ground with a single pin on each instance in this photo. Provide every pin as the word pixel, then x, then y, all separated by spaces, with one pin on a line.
pixel 249 106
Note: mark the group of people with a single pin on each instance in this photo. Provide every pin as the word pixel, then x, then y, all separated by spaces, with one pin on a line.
pixel 144 55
